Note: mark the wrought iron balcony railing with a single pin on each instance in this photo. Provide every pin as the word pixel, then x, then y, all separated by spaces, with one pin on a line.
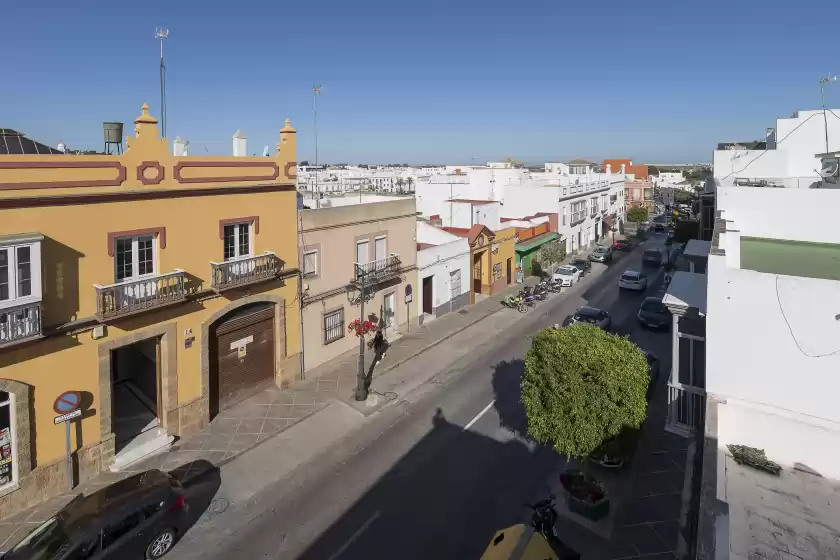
pixel 686 408
pixel 244 271
pixel 20 323
pixel 136 296
pixel 377 271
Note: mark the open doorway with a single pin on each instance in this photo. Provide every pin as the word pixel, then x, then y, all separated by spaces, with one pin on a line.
pixel 428 301
pixel 135 393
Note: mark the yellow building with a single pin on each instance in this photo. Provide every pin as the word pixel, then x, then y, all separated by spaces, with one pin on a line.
pixel 492 255
pixel 161 288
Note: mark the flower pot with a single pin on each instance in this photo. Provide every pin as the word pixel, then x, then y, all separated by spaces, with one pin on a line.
pixel 585 495
pixel 593 511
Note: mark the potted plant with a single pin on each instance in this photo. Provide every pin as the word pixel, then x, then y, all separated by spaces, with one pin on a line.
pixel 362 329
pixel 582 386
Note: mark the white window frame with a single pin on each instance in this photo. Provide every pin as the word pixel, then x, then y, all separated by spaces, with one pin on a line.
pixel 12 423
pixel 236 241
pixel 314 272
pixel 135 258
pixel 14 298
pixel 360 242
pixel 380 238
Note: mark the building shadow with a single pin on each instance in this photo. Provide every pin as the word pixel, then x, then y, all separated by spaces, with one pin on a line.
pixel 201 481
pixel 60 282
pixel 443 499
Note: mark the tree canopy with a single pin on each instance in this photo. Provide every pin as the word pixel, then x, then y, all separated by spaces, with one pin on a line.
pixel 581 386
pixel 637 214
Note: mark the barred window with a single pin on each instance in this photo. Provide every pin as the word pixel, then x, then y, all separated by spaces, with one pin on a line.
pixel 333 326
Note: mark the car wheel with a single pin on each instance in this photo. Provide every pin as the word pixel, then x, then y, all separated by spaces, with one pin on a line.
pixel 161 544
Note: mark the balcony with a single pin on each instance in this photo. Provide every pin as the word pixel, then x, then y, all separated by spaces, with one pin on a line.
pixel 593 213
pixel 136 296
pixel 20 323
pixel 244 271
pixel 377 271
pixel 577 217
pixel 686 409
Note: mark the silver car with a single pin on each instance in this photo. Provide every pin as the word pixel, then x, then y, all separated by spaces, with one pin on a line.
pixel 601 255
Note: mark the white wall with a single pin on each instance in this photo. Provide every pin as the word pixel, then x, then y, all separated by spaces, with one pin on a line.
pixel 778 213
pixel 427 233
pixel 440 261
pixel 770 339
pixel 730 164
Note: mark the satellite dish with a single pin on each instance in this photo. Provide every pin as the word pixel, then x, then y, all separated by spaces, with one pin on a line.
pixel 829 169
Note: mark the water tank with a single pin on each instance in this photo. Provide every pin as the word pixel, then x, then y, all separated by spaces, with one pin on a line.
pixel 113 132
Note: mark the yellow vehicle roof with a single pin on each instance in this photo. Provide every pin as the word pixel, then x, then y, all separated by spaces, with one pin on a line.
pixel 518 542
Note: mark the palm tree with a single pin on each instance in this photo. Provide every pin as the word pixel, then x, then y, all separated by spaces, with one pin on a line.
pixel 400 183
pixel 409 181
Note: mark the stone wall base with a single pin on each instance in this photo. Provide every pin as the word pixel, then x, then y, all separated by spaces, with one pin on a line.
pixel 289 372
pixel 192 416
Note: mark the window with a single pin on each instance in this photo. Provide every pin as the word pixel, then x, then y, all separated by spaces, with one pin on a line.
pixel 134 258
pixel 692 361
pixel 455 284
pixel 237 239
pixel 150 509
pixel 362 251
pixel 113 532
pixel 20 275
pixel 310 263
pixel 379 247
pixel 7 455
pixel 333 326
pixel 565 210
pixel 389 309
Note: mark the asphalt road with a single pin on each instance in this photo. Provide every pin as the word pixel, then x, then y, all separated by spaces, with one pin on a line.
pixel 435 475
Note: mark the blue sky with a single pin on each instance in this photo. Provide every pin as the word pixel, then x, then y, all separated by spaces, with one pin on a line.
pixel 423 82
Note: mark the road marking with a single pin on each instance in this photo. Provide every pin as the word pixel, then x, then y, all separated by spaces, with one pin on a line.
pixel 480 414
pixel 355 536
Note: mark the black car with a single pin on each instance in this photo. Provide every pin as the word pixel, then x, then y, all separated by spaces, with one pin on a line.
pixel 139 517
pixel 584 265
pixel 592 316
pixel 659 226
pixel 653 372
pixel 654 314
pixel 652 257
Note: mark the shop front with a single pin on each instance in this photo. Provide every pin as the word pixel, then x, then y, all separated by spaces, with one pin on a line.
pixel 528 252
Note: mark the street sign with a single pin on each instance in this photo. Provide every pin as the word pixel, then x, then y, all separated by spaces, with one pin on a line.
pixel 69 416
pixel 68 401
pixel 408 298
pixel 407 290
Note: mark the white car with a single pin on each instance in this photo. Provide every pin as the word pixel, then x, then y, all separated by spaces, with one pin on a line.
pixel 633 280
pixel 566 274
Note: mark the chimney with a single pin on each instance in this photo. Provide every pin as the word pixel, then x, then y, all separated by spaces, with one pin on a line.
pixel 609 169
pixel 240 144
pixel 179 147
pixel 623 167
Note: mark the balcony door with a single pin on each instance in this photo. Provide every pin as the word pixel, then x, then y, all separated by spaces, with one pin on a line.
pixel 237 247
pixel 134 259
pixel 380 245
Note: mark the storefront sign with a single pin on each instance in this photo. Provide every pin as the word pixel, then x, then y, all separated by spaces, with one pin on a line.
pixel 242 342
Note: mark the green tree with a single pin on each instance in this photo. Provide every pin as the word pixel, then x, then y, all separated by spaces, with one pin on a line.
pixel 400 184
pixel 637 214
pixel 552 253
pixel 304 163
pixel 582 386
pixel 408 182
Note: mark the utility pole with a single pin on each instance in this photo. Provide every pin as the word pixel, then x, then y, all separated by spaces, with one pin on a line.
pixel 361 380
pixel 316 91
pixel 161 34
pixel 824 82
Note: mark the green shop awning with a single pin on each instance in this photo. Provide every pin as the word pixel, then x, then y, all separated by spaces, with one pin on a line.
pixel 538 240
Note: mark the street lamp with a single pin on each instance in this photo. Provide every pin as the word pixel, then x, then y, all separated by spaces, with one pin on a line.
pixel 361 392
pixel 824 82
pixel 161 34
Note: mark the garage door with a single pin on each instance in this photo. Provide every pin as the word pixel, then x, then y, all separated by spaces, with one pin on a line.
pixel 244 356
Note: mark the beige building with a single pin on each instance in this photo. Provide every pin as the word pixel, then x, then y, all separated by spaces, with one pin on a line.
pixel 340 247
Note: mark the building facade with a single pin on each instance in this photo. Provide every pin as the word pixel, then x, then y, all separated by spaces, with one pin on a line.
pixel 162 289
pixel 342 247
pixel 443 263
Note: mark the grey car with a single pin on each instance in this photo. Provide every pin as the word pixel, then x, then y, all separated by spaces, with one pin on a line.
pixel 601 255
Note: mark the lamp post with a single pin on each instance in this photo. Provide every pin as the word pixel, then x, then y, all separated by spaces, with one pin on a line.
pixel 161 34
pixel 361 392
pixel 824 82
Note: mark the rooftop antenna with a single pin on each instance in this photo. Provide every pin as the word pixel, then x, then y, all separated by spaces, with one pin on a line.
pixel 316 91
pixel 161 34
pixel 824 81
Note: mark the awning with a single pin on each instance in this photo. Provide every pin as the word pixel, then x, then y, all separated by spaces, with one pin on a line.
pixel 608 221
pixel 536 241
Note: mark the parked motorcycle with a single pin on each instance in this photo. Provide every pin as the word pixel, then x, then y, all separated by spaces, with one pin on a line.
pixel 515 302
pixel 544 521
pixel 541 293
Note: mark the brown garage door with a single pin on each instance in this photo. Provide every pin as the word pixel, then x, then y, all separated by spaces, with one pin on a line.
pixel 244 356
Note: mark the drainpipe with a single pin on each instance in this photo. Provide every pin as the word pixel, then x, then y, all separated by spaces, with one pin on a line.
pixel 300 288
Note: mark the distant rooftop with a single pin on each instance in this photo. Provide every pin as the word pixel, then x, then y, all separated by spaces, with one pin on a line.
pixel 580 161
pixel 15 143
pixel 474 201
pixel 792 258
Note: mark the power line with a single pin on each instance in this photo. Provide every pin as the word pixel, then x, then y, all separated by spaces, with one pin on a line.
pixel 790 329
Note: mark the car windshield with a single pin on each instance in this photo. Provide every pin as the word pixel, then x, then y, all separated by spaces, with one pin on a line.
pixel 654 305
pixel 652 253
pixel 580 263
pixel 565 270
pixel 632 276
pixel 587 314
pixel 43 542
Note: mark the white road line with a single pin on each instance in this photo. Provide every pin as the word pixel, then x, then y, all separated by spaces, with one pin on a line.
pixel 355 536
pixel 480 414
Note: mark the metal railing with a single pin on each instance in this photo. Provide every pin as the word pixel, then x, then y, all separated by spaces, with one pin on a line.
pixel 593 213
pixel 377 271
pixel 686 408
pixel 244 271
pixel 20 323
pixel 135 296
pixel 578 217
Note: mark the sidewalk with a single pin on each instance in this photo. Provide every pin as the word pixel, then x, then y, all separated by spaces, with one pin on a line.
pixel 267 414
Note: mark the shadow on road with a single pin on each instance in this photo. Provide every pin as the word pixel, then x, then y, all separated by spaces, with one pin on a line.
pixel 507 389
pixel 444 499
pixel 201 480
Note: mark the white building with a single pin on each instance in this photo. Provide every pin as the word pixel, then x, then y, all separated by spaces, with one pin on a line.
pixel 769 375
pixel 443 272
pixel 584 200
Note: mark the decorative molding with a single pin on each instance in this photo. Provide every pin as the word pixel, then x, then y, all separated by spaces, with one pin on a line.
pixel 60 164
pixel 222 164
pixel 245 219
pixel 131 196
pixel 112 235
pixel 141 169
pixel 290 165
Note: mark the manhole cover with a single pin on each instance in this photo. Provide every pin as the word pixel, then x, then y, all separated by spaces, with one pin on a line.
pixel 219 505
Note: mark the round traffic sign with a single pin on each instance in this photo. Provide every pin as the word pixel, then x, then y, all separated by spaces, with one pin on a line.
pixel 68 401
pixel 408 289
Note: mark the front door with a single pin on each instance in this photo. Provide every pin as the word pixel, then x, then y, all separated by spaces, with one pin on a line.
pixel 389 309
pixel 509 270
pixel 135 392
pixel 428 302
pixel 477 274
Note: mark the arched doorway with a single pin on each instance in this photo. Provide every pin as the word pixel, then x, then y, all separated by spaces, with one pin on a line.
pixel 242 355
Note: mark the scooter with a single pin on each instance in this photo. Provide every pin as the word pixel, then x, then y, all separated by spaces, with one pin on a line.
pixel 541 293
pixel 544 521
pixel 515 302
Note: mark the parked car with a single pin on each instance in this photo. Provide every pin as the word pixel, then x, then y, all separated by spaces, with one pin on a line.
pixel 654 314
pixel 601 254
pixel 139 517
pixel 659 226
pixel 633 280
pixel 652 257
pixel 653 372
pixel 622 245
pixel 592 316
pixel 584 265
pixel 566 274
